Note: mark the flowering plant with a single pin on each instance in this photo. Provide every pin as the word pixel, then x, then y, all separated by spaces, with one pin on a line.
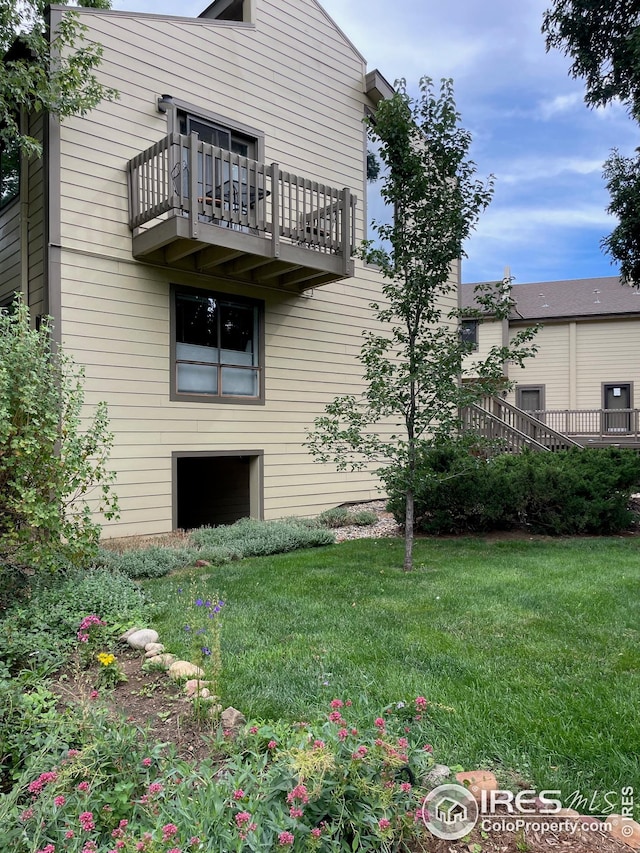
pixel 343 784
pixel 110 672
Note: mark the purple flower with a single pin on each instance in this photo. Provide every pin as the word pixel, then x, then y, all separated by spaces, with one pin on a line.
pixel 187 628
pixel 201 631
pixel 199 602
pixel 207 604
pixel 206 650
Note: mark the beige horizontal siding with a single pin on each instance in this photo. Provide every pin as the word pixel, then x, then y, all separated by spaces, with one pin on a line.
pixel 606 352
pixel 308 102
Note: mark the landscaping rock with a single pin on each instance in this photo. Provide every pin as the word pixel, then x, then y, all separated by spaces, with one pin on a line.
pixel 124 637
pixel 437 775
pixel 478 781
pixel 194 686
pixel 153 649
pixel 164 660
pixel 624 829
pixel 183 669
pixel 232 720
pixel 140 639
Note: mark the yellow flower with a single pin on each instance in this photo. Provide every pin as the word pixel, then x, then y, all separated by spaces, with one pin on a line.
pixel 106 659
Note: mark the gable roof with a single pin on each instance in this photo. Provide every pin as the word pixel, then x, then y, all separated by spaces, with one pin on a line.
pixel 573 298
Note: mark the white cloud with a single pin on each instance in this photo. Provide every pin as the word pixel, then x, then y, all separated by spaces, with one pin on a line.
pixel 559 105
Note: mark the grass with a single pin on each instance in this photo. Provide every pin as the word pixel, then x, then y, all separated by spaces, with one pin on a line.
pixel 533 645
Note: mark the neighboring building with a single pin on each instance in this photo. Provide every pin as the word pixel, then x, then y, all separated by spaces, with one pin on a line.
pixel 585 377
pixel 214 337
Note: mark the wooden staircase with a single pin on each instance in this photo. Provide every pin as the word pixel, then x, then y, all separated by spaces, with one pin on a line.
pixel 512 428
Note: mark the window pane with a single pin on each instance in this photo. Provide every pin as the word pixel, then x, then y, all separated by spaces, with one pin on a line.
pixel 238 334
pixel 197 379
pixel 241 382
pixel 469 331
pixel 197 320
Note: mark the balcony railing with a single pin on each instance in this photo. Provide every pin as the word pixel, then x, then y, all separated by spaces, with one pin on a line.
pixel 605 424
pixel 300 223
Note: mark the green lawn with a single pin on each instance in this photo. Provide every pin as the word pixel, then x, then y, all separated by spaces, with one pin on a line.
pixel 534 646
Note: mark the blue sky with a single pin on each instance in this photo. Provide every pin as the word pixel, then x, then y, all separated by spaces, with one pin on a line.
pixel 530 127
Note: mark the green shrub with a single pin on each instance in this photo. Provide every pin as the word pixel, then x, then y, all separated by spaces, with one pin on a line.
pixel 251 538
pixel 49 459
pixel 340 516
pixel 43 632
pixel 335 517
pixel 363 517
pixel 566 492
pixel 341 784
pixel 152 562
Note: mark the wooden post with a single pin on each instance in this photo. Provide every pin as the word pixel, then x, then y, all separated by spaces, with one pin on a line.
pixel 193 186
pixel 346 228
pixel 275 210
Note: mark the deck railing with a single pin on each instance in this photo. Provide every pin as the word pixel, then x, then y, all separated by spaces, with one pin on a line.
pixel 597 423
pixel 494 418
pixel 183 176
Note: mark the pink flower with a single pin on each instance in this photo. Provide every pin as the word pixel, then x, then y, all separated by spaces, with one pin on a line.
pixel 120 844
pixel 174 850
pixel 123 824
pixel 342 734
pixel 421 703
pixel 318 744
pixel 378 742
pixel 336 717
pixel 83 786
pixel 86 821
pixel 69 833
pixel 354 732
pixel 298 793
pixel 155 788
pixel 50 848
pixel 427 747
pixel 337 703
pixel 272 744
pixel 348 703
pixel 168 831
pixel 253 730
pixel 59 801
pixel 405 787
pixel 316 832
pixel 194 841
pixel 242 818
pixel 94 695
pixel 360 752
pixel 403 743
pixel 73 753
pixel 147 762
pixel 26 814
pixel 285 839
pixel 384 823
pixel 238 794
pixel 379 723
pixel 295 811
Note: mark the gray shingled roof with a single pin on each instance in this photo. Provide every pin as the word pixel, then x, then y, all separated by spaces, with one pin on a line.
pixel 580 297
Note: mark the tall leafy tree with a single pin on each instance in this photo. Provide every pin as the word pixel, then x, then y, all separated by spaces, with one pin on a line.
pixel 45 72
pixel 412 369
pixel 602 38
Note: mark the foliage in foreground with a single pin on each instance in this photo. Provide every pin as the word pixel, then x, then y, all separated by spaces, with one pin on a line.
pixel 566 492
pixel 412 362
pixel 50 460
pixel 340 785
pixel 40 633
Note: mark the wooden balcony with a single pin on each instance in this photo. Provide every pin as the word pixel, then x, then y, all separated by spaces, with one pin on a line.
pixel 197 207
pixel 594 426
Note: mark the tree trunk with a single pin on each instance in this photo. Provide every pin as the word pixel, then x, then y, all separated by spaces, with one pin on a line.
pixel 408 533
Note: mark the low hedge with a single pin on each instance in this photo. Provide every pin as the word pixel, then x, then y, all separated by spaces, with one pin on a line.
pixel 567 492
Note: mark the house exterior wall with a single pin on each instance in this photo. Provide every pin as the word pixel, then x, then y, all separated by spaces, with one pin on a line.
pixel 490 335
pixel 575 357
pixel 295 78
